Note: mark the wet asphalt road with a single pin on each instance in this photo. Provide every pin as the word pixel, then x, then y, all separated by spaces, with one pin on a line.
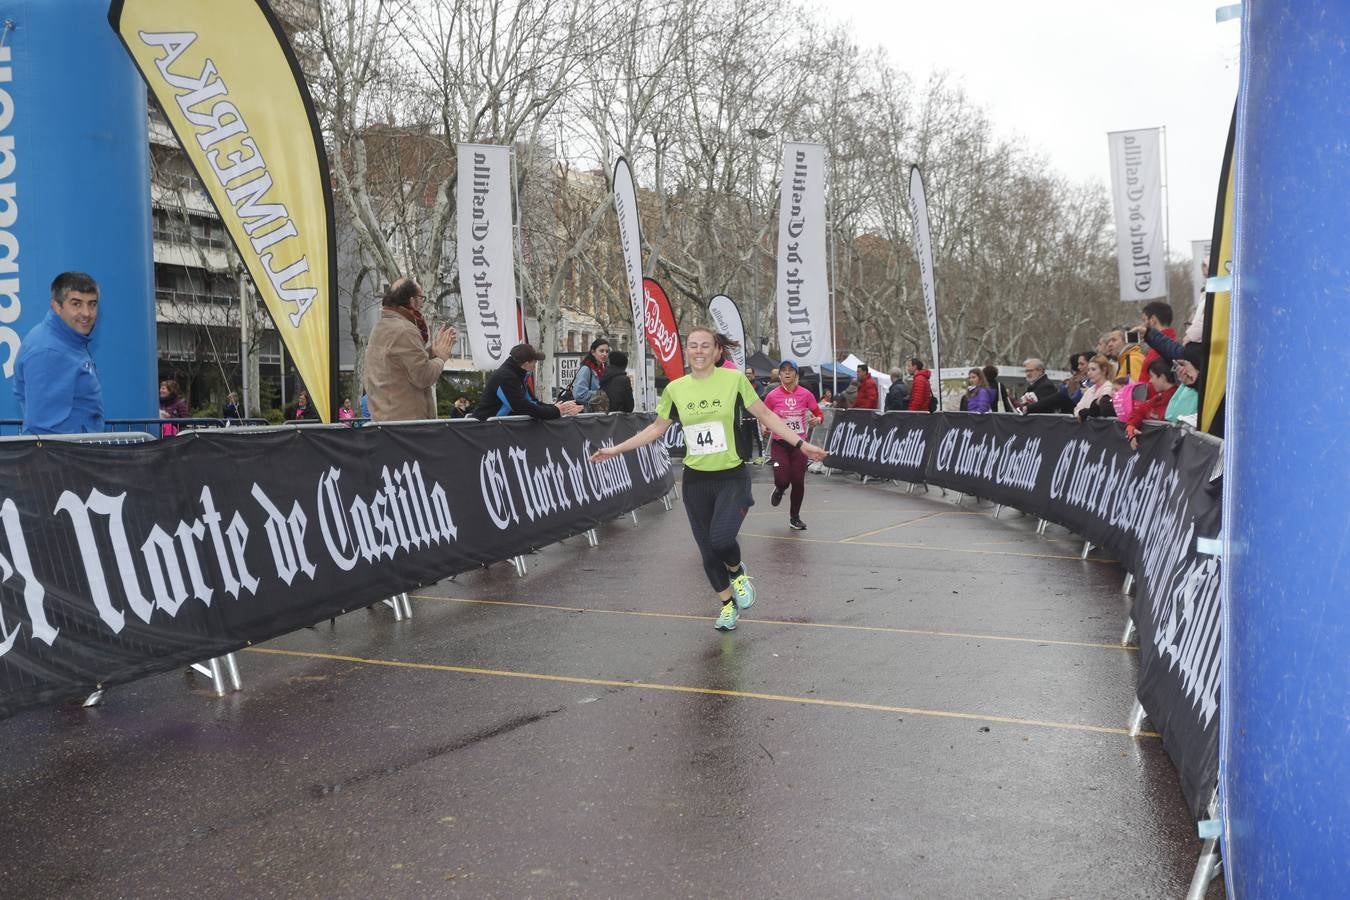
pixel 924 702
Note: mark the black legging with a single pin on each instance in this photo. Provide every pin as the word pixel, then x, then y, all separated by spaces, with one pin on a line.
pixel 716 508
pixel 750 438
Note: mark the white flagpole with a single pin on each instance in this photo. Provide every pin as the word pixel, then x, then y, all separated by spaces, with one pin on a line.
pixel 520 255
pixel 1167 216
pixel 834 352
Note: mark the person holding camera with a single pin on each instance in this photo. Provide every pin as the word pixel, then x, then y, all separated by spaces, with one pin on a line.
pixel 508 392
pixel 1041 395
pixel 1157 319
pixel 1122 348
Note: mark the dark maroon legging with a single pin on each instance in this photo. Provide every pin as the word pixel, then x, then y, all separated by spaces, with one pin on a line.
pixel 789 468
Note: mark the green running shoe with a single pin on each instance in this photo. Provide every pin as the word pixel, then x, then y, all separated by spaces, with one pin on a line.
pixel 743 589
pixel 727 620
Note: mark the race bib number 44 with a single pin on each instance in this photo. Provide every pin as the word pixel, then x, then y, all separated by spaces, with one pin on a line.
pixel 710 437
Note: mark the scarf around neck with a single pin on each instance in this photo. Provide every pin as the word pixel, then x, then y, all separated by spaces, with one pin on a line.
pixel 414 317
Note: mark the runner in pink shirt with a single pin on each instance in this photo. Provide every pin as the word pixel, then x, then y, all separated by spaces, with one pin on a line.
pixel 797 407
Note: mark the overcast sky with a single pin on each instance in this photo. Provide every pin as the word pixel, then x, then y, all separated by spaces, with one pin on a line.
pixel 1060 74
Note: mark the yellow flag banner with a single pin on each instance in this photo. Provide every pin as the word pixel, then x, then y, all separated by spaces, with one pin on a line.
pixel 1217 302
pixel 229 83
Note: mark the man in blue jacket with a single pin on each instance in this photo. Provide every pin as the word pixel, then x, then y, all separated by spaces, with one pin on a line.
pixel 55 379
pixel 508 394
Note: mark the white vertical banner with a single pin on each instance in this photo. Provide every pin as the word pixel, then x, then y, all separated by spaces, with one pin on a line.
pixel 630 243
pixel 923 249
pixel 1199 265
pixel 726 318
pixel 1136 187
pixel 803 290
pixel 485 249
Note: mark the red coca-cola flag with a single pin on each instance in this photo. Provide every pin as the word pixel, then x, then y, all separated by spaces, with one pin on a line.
pixel 661 333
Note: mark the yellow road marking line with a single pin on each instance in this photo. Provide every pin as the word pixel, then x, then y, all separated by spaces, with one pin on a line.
pixel 881 629
pixel 922 518
pixel 715 692
pixel 892 546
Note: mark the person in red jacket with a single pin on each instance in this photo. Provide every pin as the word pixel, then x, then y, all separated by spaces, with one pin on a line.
pixel 867 389
pixel 1162 385
pixel 921 391
pixel 1158 316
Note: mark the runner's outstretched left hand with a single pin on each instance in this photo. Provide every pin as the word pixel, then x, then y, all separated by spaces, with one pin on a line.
pixel 815 453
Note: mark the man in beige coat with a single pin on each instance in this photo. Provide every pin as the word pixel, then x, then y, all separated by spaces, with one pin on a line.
pixel 401 371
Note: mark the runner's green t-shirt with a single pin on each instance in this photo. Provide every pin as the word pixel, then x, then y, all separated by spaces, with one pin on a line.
pixel 707 410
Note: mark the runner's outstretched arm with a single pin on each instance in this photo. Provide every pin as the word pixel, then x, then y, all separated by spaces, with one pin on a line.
pixel 769 419
pixel 651 433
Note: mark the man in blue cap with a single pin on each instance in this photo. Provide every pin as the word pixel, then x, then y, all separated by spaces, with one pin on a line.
pixel 796 406
pixel 55 379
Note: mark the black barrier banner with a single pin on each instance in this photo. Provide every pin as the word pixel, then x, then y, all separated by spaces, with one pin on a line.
pixel 1146 507
pixel 117 562
pixel 673 440
pixel 880 446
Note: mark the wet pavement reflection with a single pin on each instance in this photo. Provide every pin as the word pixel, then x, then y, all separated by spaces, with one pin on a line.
pixel 925 701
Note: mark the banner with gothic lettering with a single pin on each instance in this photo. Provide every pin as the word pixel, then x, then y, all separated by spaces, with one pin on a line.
pixel 246 536
pixel 881 446
pixel 1136 187
pixel 923 249
pixel 726 318
pixel 630 245
pixel 803 288
pixel 486 254
pixel 233 93
pixel 1145 507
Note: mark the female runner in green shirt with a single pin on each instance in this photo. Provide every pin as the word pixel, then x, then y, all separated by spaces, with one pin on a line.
pixel 716 485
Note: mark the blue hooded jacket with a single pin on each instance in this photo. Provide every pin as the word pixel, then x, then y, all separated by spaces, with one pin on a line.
pixel 56 381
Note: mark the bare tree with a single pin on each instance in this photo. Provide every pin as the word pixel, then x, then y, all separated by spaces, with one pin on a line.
pixel 697 95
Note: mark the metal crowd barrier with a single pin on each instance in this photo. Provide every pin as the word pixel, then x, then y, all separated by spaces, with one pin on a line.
pixel 212 668
pixel 1208 865
pixel 219 669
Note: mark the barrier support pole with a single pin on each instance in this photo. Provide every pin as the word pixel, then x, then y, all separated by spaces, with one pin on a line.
pixel 1137 717
pixel 232 666
pixel 1128 636
pixel 592 538
pixel 998 511
pixel 394 604
pixel 1129 583
pixel 1210 862
pixel 1087 548
pixel 212 671
pixel 519 562
pixel 634 514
